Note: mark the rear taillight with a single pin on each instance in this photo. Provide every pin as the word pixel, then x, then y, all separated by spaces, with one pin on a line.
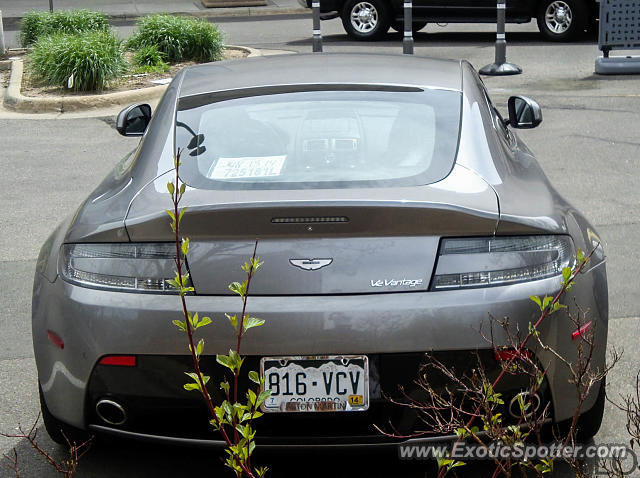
pixel 123 267
pixel 495 261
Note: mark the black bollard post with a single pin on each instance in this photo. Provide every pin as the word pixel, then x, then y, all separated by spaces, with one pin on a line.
pixel 317 33
pixel 51 6
pixel 2 44
pixel 407 39
pixel 500 66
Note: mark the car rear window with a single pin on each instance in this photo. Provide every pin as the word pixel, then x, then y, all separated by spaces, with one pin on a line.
pixel 318 138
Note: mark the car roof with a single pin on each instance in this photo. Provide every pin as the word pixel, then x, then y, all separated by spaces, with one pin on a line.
pixel 322 68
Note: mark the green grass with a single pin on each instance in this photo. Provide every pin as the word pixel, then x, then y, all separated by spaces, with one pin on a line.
pixel 94 59
pixel 179 38
pixel 36 25
pixel 148 59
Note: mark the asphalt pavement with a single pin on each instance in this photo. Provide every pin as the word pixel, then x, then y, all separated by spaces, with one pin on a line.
pixel 588 145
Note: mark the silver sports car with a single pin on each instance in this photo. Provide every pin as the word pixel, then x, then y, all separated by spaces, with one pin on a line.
pixel 396 211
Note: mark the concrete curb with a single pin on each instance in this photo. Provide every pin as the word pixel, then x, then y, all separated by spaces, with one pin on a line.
pixel 16 101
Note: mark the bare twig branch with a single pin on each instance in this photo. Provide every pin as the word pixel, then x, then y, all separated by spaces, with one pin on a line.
pixel 65 467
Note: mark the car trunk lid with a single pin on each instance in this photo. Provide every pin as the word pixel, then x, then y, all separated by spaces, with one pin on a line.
pixel 348 241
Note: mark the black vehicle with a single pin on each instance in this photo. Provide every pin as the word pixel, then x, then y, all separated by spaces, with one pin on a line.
pixel 558 20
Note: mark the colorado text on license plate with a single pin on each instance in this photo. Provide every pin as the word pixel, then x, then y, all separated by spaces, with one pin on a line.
pixel 316 383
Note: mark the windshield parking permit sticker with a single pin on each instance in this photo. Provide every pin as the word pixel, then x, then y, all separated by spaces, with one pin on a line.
pixel 248 167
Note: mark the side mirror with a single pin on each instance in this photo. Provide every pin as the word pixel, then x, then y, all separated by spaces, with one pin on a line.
pixel 133 120
pixel 524 112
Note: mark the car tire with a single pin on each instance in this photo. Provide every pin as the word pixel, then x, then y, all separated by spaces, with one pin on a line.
pixel 365 19
pixel 590 421
pixel 562 20
pixel 399 26
pixel 58 430
pixel 587 426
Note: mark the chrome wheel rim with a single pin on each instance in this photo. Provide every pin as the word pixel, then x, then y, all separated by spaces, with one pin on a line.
pixel 364 17
pixel 558 17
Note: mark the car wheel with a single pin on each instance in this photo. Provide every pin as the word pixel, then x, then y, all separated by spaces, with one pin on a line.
pixel 399 26
pixel 58 430
pixel 561 20
pixel 365 19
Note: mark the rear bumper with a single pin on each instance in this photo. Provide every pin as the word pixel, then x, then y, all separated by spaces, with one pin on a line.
pixel 94 323
pixel 317 444
pixel 156 404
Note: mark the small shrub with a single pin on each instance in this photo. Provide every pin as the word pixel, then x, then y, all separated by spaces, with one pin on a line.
pixel 148 59
pixel 179 38
pixel 36 25
pixel 94 59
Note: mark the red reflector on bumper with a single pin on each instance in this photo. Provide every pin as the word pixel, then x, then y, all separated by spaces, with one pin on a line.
pixel 55 339
pixel 121 360
pixel 581 331
pixel 505 355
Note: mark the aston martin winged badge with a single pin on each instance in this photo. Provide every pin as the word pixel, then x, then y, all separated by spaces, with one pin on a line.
pixel 310 264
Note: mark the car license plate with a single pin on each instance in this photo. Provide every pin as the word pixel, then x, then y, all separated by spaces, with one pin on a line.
pixel 316 383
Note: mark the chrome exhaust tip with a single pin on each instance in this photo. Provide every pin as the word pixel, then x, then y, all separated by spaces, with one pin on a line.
pixel 111 412
pixel 534 402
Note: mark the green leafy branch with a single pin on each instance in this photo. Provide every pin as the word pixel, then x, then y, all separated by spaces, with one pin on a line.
pixel 232 419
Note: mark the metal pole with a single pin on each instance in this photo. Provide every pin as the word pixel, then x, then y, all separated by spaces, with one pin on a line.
pixel 501 33
pixel 317 33
pixel 407 39
pixel 500 66
pixel 51 6
pixel 2 44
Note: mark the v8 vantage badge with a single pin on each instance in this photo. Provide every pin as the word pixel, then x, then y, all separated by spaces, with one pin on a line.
pixel 396 282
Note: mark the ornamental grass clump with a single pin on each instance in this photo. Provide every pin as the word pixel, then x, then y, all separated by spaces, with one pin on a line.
pixel 36 25
pixel 85 62
pixel 148 59
pixel 179 38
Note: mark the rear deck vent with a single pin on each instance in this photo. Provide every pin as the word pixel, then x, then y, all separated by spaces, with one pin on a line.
pixel 308 220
